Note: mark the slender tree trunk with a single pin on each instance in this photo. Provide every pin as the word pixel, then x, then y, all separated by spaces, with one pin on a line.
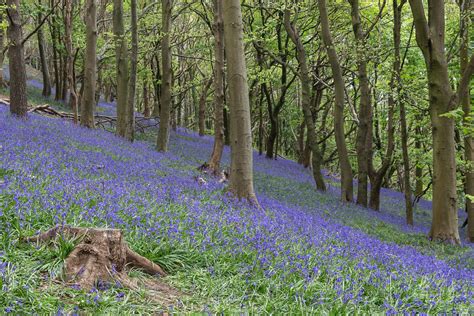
pixel 163 133
pixel 53 31
pixel 44 61
pixel 430 39
pixel 69 65
pixel 121 58
pixel 2 47
pixel 90 65
pixel 18 100
pixel 132 85
pixel 364 136
pixel 241 174
pixel 397 24
pixel 466 6
pixel 306 101
pixel 202 108
pixel 146 101
pixel 346 170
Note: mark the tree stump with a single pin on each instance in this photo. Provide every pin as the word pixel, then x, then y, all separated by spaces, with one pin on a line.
pixel 103 256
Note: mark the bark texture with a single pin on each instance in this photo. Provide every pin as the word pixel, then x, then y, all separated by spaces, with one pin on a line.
pixel 430 38
pixel 347 189
pixel 306 101
pixel 166 98
pixel 121 60
pixel 218 29
pixel 241 174
pixel 132 83
pixel 202 108
pixel 69 60
pixel 44 60
pixel 18 100
pixel 90 65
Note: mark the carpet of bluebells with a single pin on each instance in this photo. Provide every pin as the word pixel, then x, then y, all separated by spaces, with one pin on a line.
pixel 303 252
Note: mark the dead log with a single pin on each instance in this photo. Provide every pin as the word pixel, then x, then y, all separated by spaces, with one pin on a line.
pixel 101 255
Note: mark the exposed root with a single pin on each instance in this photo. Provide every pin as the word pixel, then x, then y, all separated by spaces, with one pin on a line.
pixel 103 256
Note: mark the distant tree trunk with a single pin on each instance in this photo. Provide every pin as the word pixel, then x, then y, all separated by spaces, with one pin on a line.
pixel 132 86
pixel 202 108
pixel 146 101
pixel 18 100
pixel 364 135
pixel 430 38
pixel 466 6
pixel 241 174
pixel 306 101
pixel 2 47
pixel 90 65
pixel 121 60
pixel 166 99
pixel 44 61
pixel 53 31
pixel 218 30
pixel 397 24
pixel 346 170
pixel 69 65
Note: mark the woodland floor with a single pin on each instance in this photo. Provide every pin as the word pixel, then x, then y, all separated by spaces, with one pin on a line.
pixel 304 252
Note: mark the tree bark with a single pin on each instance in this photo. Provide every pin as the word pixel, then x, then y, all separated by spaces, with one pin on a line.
pixel 241 174
pixel 218 30
pixel 466 6
pixel 132 85
pixel 18 99
pixel 2 46
pixel 364 135
pixel 306 101
pixel 69 59
pixel 163 133
pixel 121 60
pixel 90 65
pixel 346 170
pixel 44 61
pixel 202 108
pixel 430 38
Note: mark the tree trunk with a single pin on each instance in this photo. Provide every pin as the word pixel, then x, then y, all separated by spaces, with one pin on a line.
pixel 163 133
pixel 346 170
pixel 241 174
pixel 430 39
pixel 397 24
pixel 466 6
pixel 53 31
pixel 146 101
pixel 202 108
pixel 90 65
pixel 121 60
pixel 132 85
pixel 44 61
pixel 218 30
pixel 364 135
pixel 18 99
pixel 2 46
pixel 306 101
pixel 69 64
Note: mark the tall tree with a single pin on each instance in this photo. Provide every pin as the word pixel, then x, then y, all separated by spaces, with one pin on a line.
pixel 395 89
pixel 306 100
pixel 18 101
pixel 218 30
pixel 90 65
pixel 133 72
pixel 43 59
pixel 69 58
pixel 2 46
pixel 466 6
pixel 364 132
pixel 241 173
pixel 430 37
pixel 121 60
pixel 346 170
pixel 166 98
